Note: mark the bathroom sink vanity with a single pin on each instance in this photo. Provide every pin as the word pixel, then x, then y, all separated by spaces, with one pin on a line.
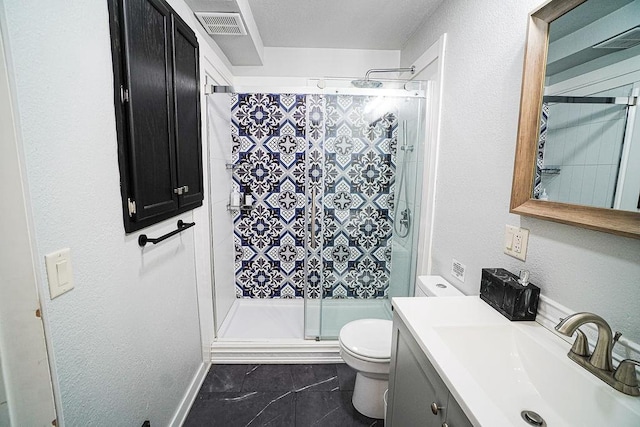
pixel 458 362
pixel 417 394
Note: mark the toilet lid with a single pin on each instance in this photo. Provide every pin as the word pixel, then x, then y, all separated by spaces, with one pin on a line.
pixel 368 337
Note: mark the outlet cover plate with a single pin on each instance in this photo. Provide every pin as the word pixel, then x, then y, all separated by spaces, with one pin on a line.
pixel 515 242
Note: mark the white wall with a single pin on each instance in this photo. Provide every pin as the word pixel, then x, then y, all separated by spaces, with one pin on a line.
pixel 24 371
pixel 581 269
pixel 125 341
pixel 293 66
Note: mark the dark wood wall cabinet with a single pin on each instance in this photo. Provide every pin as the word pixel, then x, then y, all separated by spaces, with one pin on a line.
pixel 157 105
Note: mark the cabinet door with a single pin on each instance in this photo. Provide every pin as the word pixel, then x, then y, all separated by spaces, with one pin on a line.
pixel 187 115
pixel 455 414
pixel 149 79
pixel 414 385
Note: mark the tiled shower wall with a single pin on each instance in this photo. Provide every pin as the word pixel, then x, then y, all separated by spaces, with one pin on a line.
pixel 337 151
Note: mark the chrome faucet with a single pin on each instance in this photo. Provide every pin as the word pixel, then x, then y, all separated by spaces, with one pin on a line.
pixel 601 357
pixel 599 363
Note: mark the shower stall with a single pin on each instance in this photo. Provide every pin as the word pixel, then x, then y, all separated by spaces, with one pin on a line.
pixel 320 205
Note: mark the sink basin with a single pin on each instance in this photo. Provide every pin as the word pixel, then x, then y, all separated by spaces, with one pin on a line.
pixel 522 366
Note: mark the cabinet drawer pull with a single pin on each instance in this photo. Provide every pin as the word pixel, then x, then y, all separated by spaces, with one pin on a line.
pixel 435 408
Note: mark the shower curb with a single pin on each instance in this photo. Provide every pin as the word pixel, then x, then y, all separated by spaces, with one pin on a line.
pixel 275 352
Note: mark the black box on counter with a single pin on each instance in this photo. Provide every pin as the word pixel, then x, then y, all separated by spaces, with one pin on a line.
pixel 501 290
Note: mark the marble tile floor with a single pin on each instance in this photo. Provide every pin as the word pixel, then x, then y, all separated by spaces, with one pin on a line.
pixel 277 396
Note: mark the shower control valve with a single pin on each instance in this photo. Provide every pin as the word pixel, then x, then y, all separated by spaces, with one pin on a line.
pixel 404 219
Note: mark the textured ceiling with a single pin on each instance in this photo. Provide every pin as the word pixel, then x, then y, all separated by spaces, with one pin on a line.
pixel 350 24
pixel 341 24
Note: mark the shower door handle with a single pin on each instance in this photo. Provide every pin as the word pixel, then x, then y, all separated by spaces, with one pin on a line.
pixel 313 219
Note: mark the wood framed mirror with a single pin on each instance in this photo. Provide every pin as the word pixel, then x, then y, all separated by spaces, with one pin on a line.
pixel 523 201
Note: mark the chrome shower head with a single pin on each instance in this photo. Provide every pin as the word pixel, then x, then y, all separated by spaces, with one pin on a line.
pixel 366 83
pixel 369 84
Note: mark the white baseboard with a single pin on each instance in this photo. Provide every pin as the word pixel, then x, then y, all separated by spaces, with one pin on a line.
pixel 283 351
pixel 190 396
pixel 550 312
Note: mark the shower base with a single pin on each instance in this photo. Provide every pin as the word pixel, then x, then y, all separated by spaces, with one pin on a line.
pixel 251 319
pixel 272 331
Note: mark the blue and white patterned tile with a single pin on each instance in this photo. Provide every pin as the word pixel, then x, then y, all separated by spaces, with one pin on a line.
pixel 338 151
pixel 359 167
pixel 260 279
pixel 314 182
pixel 367 279
pixel 270 163
pixel 258 115
pixel 258 171
pixel 315 106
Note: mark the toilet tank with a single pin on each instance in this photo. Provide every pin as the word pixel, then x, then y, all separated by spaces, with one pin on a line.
pixel 435 286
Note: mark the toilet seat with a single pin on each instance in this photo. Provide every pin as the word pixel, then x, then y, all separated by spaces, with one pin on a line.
pixel 366 339
pixel 365 358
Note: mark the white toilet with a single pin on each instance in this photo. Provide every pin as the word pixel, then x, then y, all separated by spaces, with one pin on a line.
pixel 365 345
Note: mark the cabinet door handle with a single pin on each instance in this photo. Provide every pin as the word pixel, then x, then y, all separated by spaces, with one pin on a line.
pixel 435 408
pixel 180 190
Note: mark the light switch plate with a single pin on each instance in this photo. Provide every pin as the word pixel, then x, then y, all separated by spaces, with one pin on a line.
pixel 515 242
pixel 59 272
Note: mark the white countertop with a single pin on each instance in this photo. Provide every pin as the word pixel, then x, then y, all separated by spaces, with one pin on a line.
pixel 429 318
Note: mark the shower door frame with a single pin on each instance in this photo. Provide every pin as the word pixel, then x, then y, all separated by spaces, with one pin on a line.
pixel 419 223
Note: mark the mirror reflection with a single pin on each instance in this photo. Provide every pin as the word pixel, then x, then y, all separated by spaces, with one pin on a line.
pixel 589 143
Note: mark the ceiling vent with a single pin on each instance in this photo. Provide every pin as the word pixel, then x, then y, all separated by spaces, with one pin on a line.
pixel 624 40
pixel 218 23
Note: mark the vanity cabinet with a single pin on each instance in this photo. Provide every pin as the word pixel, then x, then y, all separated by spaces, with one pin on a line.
pixel 416 390
pixel 157 105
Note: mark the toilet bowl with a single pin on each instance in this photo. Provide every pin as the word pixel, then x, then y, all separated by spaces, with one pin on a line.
pixel 365 345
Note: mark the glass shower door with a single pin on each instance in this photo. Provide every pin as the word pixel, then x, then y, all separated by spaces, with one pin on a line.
pixel 353 178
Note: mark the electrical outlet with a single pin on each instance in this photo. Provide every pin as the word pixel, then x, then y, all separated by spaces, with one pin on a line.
pixel 515 242
pixel 457 270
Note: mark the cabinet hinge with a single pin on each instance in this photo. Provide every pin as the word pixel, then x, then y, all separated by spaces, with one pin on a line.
pixel 124 94
pixel 132 207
